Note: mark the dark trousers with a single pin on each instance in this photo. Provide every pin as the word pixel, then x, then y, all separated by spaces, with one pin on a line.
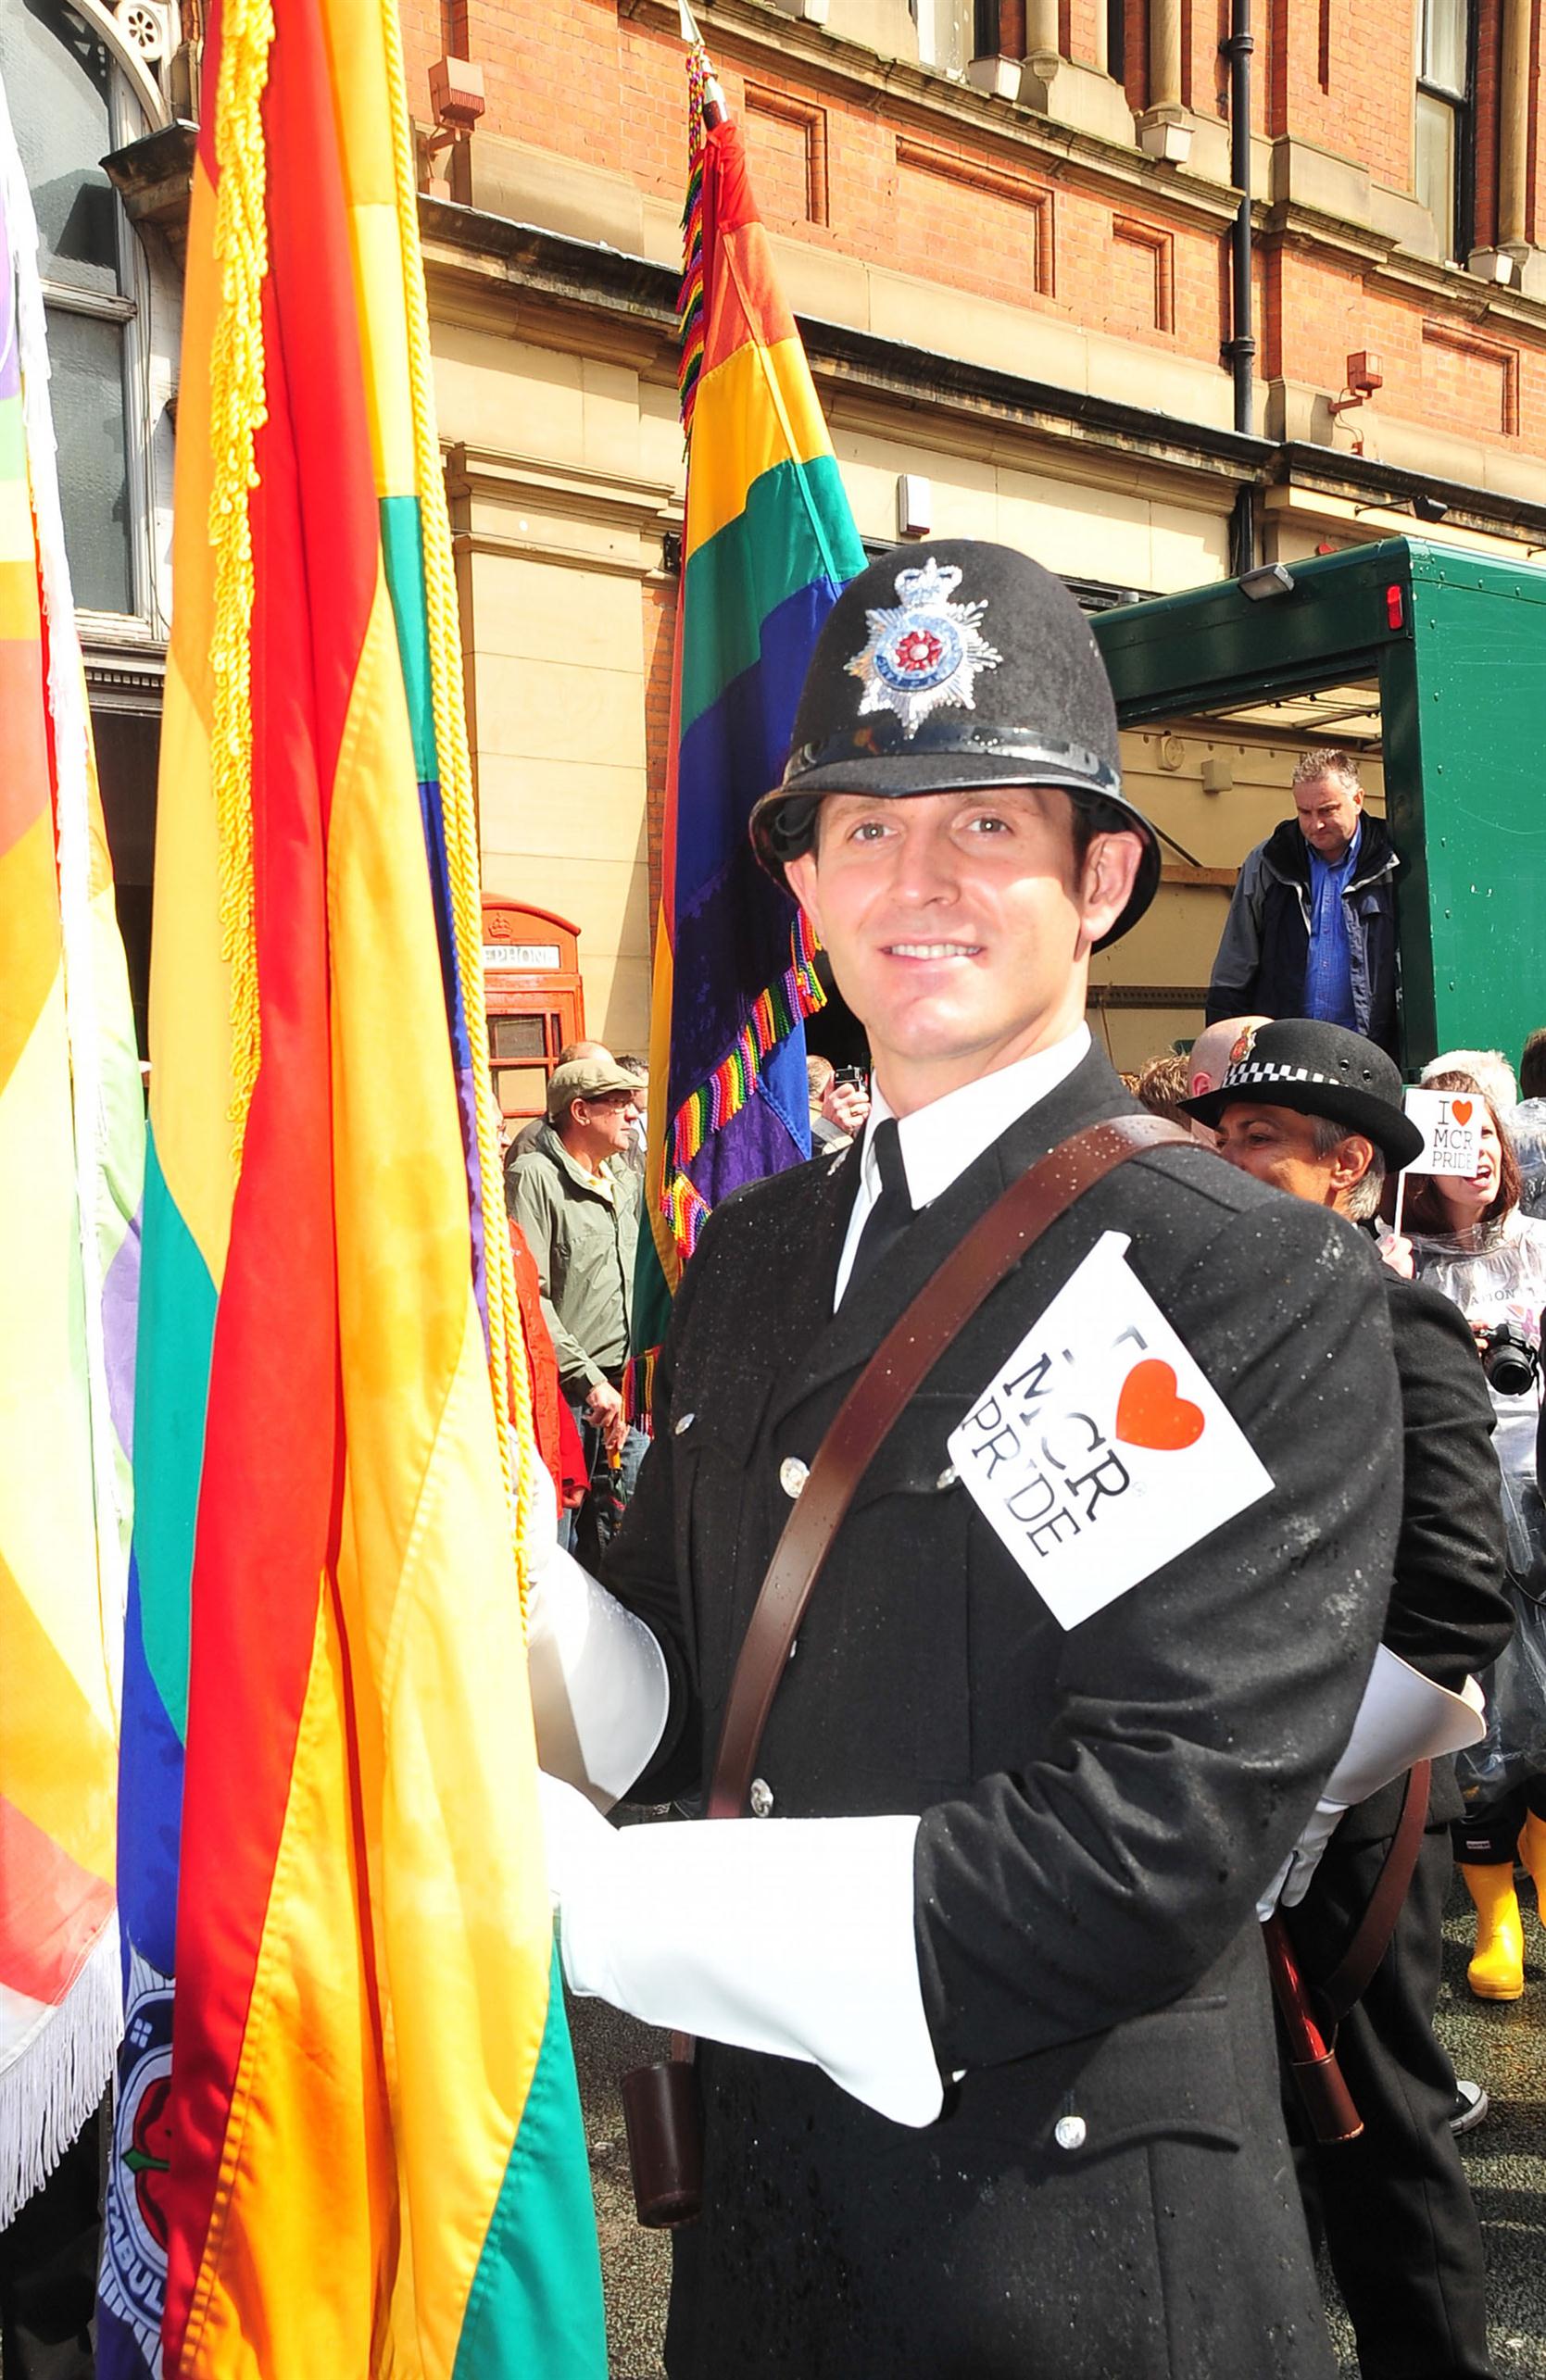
pixel 1394 2205
pixel 1490 1838
pixel 48 2268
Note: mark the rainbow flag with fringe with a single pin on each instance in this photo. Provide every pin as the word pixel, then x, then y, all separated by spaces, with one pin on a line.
pixel 349 2136
pixel 768 544
pixel 71 1152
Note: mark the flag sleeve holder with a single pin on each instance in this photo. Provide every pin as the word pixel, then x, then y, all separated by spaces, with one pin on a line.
pixel 663 2105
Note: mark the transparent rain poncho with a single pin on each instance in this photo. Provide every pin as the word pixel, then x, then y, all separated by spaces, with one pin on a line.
pixel 1496 1271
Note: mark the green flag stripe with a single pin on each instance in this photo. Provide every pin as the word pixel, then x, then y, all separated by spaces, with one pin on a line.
pixel 755 563
pixel 534 2309
pixel 171 1396
pixel 403 546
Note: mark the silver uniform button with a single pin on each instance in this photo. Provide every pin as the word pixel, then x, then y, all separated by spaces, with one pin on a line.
pixel 760 1798
pixel 948 1477
pixel 793 1474
pixel 684 1422
pixel 1070 2132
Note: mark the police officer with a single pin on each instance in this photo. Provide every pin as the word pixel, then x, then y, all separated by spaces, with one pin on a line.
pixel 987 2055
pixel 1318 1111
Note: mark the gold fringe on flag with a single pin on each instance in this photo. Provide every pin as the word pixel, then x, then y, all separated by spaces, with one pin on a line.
pixel 507 1355
pixel 238 409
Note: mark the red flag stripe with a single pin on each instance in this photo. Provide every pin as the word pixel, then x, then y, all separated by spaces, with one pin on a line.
pixel 272 1473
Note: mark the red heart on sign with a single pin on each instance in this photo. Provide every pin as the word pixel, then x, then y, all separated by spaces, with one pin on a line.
pixel 1151 1412
pixel 1461 1111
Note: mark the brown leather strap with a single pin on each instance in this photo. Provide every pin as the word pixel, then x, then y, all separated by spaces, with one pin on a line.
pixel 994 1244
pixel 1351 1978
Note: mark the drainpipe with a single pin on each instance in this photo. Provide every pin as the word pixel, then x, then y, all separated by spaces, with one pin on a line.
pixel 1240 348
pixel 1513 132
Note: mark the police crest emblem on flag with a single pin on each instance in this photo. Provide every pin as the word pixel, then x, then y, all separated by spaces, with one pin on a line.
pixel 924 651
pixel 133 2283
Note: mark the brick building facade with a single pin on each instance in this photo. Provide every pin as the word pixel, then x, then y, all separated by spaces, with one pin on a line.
pixel 1008 231
pixel 1008 228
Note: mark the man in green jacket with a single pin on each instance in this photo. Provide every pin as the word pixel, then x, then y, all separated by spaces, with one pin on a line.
pixel 577 1201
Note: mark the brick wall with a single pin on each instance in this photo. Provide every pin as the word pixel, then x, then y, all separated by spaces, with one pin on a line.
pixel 866 176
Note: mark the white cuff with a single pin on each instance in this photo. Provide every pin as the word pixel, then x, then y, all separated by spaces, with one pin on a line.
pixel 1404 1717
pixel 601 1689
pixel 792 1936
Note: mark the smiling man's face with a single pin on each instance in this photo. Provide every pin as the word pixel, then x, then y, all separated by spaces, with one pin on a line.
pixel 959 925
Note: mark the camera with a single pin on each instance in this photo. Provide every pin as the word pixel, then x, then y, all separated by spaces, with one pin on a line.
pixel 854 1075
pixel 1511 1365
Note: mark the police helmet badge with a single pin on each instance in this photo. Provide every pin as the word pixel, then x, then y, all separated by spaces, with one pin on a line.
pixel 924 650
pixel 1243 1046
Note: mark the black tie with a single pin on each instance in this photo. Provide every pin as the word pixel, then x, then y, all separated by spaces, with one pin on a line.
pixel 892 1212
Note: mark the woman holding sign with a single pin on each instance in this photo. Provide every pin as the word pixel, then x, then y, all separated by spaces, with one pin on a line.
pixel 1471 1239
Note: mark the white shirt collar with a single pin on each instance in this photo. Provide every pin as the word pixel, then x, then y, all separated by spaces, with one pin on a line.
pixel 940 1141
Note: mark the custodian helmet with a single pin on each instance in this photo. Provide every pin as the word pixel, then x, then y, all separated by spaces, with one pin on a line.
pixel 954 663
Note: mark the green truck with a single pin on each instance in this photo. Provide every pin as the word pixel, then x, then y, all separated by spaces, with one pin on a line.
pixel 1440 654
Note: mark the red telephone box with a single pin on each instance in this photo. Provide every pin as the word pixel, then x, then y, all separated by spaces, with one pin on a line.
pixel 534 998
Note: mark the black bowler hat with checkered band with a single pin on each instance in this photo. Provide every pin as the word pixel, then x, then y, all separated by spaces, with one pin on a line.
pixel 1317 1070
pixel 952 665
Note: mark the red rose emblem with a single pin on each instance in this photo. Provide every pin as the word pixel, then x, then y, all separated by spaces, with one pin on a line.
pixel 148 2156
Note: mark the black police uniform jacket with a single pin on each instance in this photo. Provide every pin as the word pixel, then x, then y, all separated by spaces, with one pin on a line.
pixel 1100 1807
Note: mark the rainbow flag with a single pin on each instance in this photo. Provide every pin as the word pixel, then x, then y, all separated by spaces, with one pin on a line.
pixel 348 2137
pixel 71 1152
pixel 768 544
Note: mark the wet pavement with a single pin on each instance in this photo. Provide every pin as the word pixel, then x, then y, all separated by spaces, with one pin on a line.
pixel 1502 2047
pixel 635 2264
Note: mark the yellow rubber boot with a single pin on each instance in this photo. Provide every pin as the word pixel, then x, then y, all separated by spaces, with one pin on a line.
pixel 1497 1972
pixel 1532 1850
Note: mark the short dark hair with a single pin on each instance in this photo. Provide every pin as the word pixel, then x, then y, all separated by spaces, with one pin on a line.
pixel 1424 1211
pixel 1092 817
pixel 1532 1066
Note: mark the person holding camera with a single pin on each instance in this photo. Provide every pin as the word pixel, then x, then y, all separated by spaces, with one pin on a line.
pixel 1471 1238
pixel 839 1103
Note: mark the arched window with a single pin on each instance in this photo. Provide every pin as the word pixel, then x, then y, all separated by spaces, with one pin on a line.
pixel 71 103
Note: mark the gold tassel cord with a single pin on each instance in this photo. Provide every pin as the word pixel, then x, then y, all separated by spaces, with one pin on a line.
pixel 238 409
pixel 511 1384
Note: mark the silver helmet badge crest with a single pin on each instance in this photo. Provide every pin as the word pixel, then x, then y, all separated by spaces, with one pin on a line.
pixel 924 651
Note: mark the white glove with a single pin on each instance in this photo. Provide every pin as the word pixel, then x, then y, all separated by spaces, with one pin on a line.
pixel 1293 1879
pixel 1403 1718
pixel 792 1936
pixel 601 1689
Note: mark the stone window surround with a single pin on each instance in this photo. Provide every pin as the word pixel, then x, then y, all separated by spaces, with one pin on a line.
pixel 1178 147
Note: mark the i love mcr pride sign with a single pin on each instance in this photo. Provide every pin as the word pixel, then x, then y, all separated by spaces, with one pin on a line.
pixel 1099 1452
pixel 1451 1125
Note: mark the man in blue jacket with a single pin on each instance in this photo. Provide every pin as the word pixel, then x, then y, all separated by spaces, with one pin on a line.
pixel 1311 927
